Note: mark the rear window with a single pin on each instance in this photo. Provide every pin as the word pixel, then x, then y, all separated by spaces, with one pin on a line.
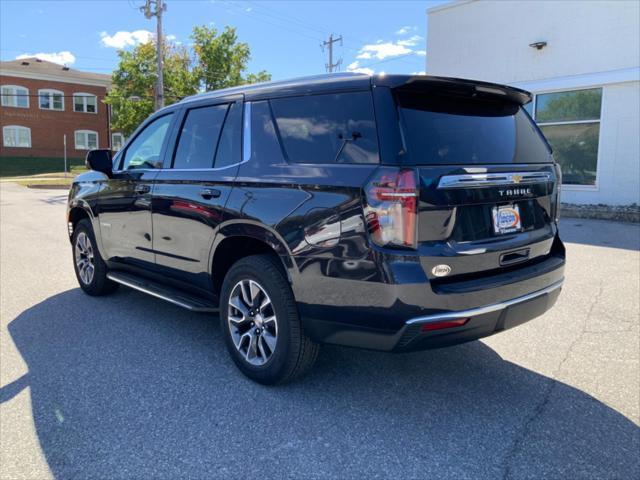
pixel 445 130
pixel 334 128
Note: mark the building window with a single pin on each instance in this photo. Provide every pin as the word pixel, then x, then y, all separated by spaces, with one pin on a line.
pixel 117 141
pixel 86 139
pixel 571 122
pixel 14 96
pixel 85 102
pixel 16 136
pixel 51 99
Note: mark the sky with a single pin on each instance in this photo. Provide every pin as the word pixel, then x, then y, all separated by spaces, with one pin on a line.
pixel 284 36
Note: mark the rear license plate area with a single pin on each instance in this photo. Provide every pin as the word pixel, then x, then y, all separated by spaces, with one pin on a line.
pixel 506 219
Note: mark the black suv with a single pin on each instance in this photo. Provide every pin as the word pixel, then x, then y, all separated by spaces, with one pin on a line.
pixel 391 212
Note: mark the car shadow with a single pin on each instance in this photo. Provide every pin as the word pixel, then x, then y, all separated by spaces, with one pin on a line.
pixel 127 386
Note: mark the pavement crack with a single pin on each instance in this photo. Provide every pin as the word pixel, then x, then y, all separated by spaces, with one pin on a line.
pixel 552 383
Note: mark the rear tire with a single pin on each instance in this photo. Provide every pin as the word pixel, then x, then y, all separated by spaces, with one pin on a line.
pixel 91 271
pixel 260 322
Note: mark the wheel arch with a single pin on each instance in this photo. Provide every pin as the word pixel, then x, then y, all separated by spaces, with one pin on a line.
pixel 240 239
pixel 78 211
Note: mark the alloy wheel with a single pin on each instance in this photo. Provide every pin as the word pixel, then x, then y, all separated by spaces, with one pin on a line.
pixel 84 258
pixel 252 322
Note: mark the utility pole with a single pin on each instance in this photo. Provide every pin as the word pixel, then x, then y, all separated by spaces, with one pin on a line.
pixel 329 43
pixel 160 8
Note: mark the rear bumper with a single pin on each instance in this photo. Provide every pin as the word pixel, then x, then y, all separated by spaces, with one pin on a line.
pixel 414 334
pixel 479 322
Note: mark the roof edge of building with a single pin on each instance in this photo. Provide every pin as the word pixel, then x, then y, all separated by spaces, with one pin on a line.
pixel 96 82
pixel 447 6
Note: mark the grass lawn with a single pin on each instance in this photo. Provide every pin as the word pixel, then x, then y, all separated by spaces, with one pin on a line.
pixel 22 166
pixel 53 182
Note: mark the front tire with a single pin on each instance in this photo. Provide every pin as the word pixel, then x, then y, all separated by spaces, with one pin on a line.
pixel 91 271
pixel 260 322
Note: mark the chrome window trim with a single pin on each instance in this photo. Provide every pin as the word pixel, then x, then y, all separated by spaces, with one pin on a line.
pixel 246 151
pixel 180 169
pixel 479 180
pixel 246 133
pixel 474 312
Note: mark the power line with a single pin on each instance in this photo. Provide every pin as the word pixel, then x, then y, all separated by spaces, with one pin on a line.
pixel 279 25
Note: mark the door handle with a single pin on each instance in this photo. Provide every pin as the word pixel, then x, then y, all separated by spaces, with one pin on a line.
pixel 208 193
pixel 142 188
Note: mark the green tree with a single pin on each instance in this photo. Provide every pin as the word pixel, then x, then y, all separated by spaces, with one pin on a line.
pixel 215 61
pixel 220 60
pixel 133 83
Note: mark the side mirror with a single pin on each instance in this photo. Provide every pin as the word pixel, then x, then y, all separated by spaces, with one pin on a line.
pixel 100 160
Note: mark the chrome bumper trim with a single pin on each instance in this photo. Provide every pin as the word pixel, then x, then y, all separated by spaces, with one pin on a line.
pixel 474 312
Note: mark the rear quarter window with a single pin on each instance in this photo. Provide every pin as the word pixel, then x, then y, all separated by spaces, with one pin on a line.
pixel 330 128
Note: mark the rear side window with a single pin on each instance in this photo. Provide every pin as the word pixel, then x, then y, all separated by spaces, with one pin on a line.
pixel 444 130
pixel 265 148
pixel 230 140
pixel 333 128
pixel 199 137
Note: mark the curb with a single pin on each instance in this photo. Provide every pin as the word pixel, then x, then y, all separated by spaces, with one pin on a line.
pixel 623 213
pixel 48 187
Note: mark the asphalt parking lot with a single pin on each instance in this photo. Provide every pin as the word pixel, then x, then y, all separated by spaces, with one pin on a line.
pixel 128 386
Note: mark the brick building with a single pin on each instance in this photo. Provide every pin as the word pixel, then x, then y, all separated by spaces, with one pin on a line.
pixel 42 102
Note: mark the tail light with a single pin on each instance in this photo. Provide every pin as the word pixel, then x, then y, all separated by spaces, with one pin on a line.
pixel 558 191
pixel 391 207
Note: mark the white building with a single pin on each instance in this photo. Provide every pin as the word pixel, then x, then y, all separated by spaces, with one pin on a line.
pixel 581 59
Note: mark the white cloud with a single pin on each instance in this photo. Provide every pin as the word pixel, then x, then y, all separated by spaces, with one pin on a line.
pixel 422 72
pixel 125 39
pixel 406 29
pixel 171 38
pixel 248 9
pixel 422 53
pixel 355 67
pixel 62 58
pixel 383 50
pixel 410 42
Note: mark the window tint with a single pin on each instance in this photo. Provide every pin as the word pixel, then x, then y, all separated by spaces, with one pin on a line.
pixel 199 137
pixel 144 151
pixel 229 144
pixel 265 148
pixel 335 128
pixel 452 131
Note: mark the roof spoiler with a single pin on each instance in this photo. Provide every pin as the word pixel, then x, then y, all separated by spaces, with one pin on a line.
pixel 457 86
